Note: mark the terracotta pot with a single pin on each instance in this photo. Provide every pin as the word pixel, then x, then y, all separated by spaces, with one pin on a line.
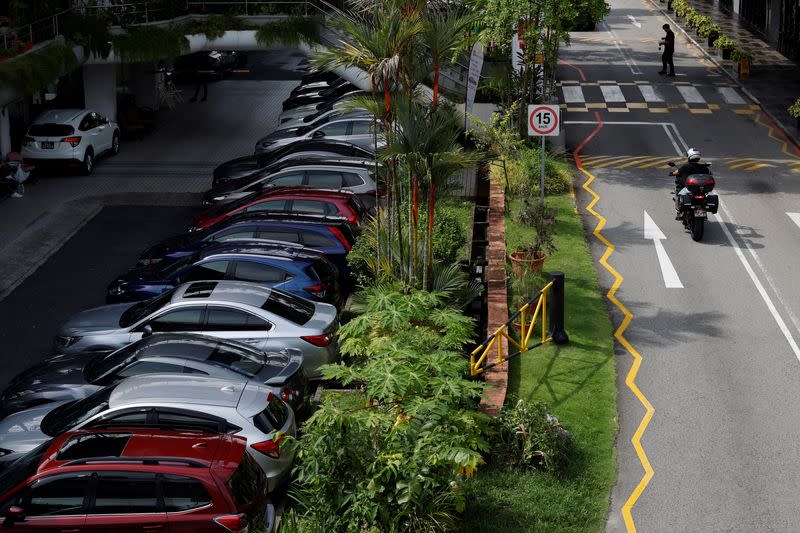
pixel 523 263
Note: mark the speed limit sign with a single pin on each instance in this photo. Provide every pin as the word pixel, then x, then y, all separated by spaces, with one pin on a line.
pixel 543 120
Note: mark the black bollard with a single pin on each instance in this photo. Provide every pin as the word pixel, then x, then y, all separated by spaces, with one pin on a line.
pixel 558 334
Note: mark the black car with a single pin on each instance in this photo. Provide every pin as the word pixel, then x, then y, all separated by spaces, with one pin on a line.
pixel 317 97
pixel 211 63
pixel 314 77
pixel 76 376
pixel 315 87
pixel 248 165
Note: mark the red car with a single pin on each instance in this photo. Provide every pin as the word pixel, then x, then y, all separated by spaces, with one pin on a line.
pixel 300 200
pixel 125 480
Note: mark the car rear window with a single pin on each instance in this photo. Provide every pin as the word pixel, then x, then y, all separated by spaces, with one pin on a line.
pixel 246 481
pixel 322 270
pixel 50 130
pixel 93 445
pixel 273 417
pixel 357 207
pixel 289 307
pixel 182 493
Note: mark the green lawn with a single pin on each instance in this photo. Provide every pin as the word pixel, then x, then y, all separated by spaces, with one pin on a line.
pixel 577 381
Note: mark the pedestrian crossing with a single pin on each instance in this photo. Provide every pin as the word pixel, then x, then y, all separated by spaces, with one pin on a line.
pixel 746 164
pixel 656 98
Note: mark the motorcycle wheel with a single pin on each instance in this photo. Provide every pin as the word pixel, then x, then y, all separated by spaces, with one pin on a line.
pixel 698 227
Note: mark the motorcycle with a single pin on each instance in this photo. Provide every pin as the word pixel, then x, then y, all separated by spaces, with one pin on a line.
pixel 695 201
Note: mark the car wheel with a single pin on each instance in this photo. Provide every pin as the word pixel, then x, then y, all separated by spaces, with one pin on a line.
pixel 115 143
pixel 88 162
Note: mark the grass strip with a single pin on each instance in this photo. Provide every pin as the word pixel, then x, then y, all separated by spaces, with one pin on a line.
pixel 577 381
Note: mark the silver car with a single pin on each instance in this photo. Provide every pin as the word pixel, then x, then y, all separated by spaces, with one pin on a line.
pixel 352 175
pixel 268 319
pixel 303 111
pixel 322 117
pixel 165 401
pixel 358 131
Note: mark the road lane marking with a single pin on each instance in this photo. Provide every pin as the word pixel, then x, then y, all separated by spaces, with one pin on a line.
pixel 746 163
pixel 730 96
pixel 619 334
pixel 628 60
pixel 639 161
pixel 690 94
pixel 573 94
pixel 758 166
pixel 653 233
pixel 650 94
pixel 750 272
pixel 612 93
pixel 795 218
pixel 634 21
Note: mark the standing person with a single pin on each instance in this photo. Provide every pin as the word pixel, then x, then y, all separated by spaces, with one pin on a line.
pixel 668 42
pixel 201 79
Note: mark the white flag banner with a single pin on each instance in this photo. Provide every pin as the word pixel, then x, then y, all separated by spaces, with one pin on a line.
pixel 474 76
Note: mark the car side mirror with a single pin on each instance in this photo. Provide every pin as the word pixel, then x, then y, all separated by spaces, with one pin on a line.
pixel 14 514
pixel 319 134
pixel 147 330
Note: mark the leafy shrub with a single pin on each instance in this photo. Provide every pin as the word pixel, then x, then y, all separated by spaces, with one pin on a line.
pixel 740 54
pixel 396 463
pixel 691 17
pixel 709 29
pixel 724 42
pixel 35 70
pixel 680 7
pixel 530 437
pixel 794 109
pixel 702 21
pixel 557 174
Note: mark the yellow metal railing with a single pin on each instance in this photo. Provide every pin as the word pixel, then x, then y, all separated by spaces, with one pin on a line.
pixel 527 320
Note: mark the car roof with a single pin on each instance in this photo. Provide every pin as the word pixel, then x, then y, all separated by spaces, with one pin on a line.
pixel 59 116
pixel 305 191
pixel 223 291
pixel 316 160
pixel 177 389
pixel 252 250
pixel 261 216
pixel 201 449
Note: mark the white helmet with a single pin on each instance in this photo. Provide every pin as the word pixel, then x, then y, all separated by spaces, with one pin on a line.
pixel 693 154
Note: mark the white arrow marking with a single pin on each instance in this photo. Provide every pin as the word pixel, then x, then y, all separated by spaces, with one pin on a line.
pixel 795 218
pixel 652 232
pixel 634 21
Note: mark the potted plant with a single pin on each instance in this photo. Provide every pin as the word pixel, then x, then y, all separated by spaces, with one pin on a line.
pixel 692 17
pixel 725 45
pixel 701 22
pixel 680 7
pixel 743 59
pixel 711 31
pixel 531 257
pixel 794 112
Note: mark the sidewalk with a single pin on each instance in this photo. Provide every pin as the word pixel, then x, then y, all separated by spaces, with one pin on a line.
pixel 774 80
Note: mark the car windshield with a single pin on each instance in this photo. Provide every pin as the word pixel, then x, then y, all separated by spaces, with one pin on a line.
pixel 171 268
pixel 290 307
pixel 50 130
pixel 69 415
pixel 102 369
pixel 241 359
pixel 140 310
pixel 23 468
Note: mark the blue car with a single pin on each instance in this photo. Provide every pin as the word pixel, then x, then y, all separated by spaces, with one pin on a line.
pixel 302 272
pixel 331 236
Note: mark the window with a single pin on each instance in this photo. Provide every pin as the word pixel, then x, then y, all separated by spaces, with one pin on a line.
pixel 125 493
pixel 362 127
pixel 87 123
pixel 335 128
pixel 287 179
pixel 178 320
pixel 258 272
pixel 243 361
pixel 220 319
pixel 72 414
pixel 20 470
pixel 272 205
pixel 323 270
pixel 56 496
pixel 50 130
pixel 93 445
pixel 137 312
pixel 245 481
pixel 211 271
pixel 352 180
pixel 182 493
pixel 124 419
pixel 280 235
pixel 314 207
pixel 187 421
pixel 290 307
pixel 149 367
pixel 325 180
pixel 312 238
pixel 279 411
pixel 234 234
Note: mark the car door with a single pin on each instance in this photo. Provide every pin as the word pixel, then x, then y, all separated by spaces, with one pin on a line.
pixel 188 504
pixel 104 132
pixel 126 502
pixel 53 503
pixel 292 178
pixel 336 131
pixel 236 324
pixel 184 319
pixel 324 179
pixel 238 233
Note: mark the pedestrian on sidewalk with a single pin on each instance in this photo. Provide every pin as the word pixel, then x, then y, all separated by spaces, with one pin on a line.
pixel 668 42
pixel 200 80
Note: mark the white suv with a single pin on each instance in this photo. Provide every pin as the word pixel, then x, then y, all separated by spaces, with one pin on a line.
pixel 72 136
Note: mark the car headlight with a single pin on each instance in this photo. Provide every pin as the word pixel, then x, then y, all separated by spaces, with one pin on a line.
pixel 117 290
pixel 66 342
pixel 219 198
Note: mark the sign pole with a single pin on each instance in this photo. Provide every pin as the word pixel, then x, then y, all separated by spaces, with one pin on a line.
pixel 541 178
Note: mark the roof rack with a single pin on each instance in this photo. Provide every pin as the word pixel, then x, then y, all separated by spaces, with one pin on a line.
pixel 143 460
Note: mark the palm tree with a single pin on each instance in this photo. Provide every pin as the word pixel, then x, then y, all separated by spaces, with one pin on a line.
pixel 445 33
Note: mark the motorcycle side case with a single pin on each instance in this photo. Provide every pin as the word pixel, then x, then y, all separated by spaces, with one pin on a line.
pixel 684 201
pixel 712 203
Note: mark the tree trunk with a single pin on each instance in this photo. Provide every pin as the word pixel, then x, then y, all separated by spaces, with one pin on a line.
pixel 435 84
pixel 429 251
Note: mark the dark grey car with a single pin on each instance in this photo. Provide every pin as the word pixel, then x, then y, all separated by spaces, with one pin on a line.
pixel 72 377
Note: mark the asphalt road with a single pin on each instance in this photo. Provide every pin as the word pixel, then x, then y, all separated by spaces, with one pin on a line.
pixel 76 278
pixel 719 359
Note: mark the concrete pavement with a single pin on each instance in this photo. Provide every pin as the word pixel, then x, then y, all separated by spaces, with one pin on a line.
pixel 718 356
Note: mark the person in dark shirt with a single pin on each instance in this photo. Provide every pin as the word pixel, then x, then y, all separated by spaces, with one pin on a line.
pixel 668 43
pixel 692 166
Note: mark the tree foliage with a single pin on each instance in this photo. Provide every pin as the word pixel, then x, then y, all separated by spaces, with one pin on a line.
pixel 34 71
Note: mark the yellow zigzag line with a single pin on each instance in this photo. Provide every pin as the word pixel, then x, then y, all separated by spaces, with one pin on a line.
pixel 630 380
pixel 771 134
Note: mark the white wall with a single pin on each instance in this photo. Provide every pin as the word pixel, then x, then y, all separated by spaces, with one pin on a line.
pixel 100 88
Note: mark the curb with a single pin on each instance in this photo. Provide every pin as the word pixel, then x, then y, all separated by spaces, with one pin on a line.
pixel 790 136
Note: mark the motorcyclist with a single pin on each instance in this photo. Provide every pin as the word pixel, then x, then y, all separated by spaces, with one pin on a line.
pixel 692 166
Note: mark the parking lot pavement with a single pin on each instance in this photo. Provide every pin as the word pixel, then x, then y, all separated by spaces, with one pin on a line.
pixel 76 278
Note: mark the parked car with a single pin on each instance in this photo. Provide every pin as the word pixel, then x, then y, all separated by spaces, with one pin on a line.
pixel 268 319
pixel 350 175
pixel 176 402
pixel 323 117
pixel 300 200
pixel 314 77
pixel 320 96
pixel 316 86
pixel 213 62
pixel 356 130
pixel 342 102
pixel 76 376
pixel 74 137
pixel 301 272
pixel 136 479
pixel 249 165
